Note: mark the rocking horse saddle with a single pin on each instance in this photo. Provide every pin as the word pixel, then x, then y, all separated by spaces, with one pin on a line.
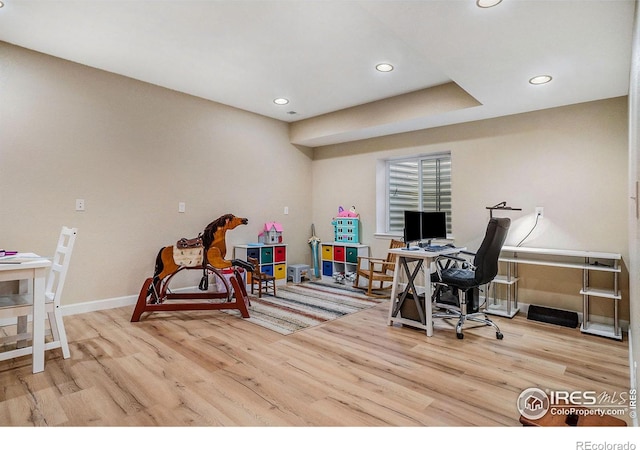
pixel 190 243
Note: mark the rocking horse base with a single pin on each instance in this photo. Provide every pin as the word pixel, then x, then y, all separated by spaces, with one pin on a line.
pixel 150 300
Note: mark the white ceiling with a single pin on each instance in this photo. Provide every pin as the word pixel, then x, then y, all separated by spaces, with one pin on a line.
pixel 321 53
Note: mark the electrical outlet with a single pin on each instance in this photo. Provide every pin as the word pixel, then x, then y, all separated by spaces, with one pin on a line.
pixel 79 204
pixel 540 212
pixel 181 207
pixel 286 210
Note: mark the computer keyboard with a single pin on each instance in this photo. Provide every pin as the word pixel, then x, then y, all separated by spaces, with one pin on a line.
pixel 434 248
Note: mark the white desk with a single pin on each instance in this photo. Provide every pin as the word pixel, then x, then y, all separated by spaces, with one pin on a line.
pixel 34 269
pixel 587 261
pixel 424 260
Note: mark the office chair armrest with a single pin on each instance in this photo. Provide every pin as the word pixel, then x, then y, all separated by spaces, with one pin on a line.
pixel 447 260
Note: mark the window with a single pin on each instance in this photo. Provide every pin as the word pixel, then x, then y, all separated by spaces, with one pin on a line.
pixel 421 183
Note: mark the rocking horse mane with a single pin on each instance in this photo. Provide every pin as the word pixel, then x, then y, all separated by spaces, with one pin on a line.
pixel 210 231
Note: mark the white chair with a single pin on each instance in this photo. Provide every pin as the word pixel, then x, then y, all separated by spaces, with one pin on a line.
pixel 19 306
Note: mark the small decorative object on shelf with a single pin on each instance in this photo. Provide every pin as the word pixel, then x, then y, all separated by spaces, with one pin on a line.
pixel 351 213
pixel 346 226
pixel 271 233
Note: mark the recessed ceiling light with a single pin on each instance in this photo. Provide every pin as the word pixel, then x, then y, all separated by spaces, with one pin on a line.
pixel 1 4
pixel 487 3
pixel 281 101
pixel 540 79
pixel 384 67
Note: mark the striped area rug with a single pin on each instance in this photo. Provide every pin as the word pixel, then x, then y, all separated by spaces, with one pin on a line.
pixel 299 306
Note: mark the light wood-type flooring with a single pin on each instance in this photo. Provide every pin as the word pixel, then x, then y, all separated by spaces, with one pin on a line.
pixel 212 369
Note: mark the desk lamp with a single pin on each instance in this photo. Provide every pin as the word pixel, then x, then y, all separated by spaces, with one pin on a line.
pixel 501 206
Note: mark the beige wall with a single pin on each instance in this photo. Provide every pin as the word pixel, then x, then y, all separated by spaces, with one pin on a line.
pixel 132 151
pixel 572 161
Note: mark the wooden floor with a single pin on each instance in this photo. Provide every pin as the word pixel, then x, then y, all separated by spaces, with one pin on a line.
pixel 212 369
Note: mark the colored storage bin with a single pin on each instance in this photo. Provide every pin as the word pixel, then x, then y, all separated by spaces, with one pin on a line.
pixel 351 255
pixel 279 254
pixel 280 271
pixel 268 269
pixel 327 268
pixel 266 255
pixel 253 253
pixel 327 252
pixel 338 253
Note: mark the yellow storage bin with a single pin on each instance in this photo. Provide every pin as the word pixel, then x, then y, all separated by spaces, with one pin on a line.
pixel 280 271
pixel 327 252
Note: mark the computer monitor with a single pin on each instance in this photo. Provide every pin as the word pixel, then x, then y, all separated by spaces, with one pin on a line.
pixel 433 225
pixel 412 227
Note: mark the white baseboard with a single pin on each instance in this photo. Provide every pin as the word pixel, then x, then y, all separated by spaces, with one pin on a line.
pixel 95 305
pixel 108 303
pixel 81 308
pixel 98 305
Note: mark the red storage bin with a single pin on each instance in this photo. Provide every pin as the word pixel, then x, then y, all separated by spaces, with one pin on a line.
pixel 280 254
pixel 338 253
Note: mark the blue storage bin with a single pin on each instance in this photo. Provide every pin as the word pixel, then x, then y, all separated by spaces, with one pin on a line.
pixel 327 268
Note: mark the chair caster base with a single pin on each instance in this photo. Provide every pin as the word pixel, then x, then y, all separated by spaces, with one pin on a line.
pixel 499 335
pixel 460 335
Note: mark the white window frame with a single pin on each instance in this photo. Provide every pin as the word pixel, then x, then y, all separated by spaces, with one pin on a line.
pixel 383 194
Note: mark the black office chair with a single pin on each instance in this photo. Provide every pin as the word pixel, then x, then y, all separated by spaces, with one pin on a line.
pixel 463 276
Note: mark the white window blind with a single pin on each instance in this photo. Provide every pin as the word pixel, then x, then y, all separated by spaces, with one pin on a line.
pixel 418 184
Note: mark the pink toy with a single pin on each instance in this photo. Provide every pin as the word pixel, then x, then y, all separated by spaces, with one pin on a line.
pixel 271 233
pixel 351 213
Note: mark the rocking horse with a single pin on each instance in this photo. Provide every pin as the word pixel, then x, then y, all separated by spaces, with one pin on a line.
pixel 206 252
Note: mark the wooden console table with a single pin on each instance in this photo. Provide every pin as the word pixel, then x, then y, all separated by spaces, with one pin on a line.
pixel 586 261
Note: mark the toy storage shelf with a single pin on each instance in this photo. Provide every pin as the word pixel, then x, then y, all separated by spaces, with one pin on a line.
pixel 272 259
pixel 340 257
pixel 586 261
